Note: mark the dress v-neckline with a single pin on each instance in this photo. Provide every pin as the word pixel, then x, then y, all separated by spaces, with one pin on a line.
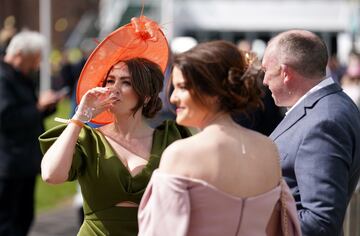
pixel 127 171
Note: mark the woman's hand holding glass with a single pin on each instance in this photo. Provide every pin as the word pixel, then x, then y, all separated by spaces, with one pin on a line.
pixel 94 102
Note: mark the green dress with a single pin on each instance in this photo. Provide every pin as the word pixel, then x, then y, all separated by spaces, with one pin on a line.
pixel 105 181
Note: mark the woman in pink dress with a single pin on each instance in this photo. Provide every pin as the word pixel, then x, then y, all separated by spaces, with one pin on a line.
pixel 226 179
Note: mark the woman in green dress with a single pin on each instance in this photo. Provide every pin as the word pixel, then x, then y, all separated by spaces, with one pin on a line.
pixel 113 163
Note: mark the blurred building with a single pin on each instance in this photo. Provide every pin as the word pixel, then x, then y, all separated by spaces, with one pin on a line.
pixel 66 16
pixel 336 21
pixel 72 22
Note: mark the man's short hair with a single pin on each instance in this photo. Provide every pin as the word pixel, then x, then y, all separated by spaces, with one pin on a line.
pixel 304 51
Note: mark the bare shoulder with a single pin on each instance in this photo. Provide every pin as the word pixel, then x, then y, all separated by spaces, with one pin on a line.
pixel 262 141
pixel 273 156
pixel 264 150
pixel 176 157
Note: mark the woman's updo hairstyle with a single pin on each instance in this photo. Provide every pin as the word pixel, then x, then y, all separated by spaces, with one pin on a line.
pixel 219 69
pixel 147 81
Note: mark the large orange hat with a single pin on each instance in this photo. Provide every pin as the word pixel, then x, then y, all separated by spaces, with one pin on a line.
pixel 140 38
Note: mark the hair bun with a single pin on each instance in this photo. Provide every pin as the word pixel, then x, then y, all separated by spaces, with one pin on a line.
pixel 152 107
pixel 244 86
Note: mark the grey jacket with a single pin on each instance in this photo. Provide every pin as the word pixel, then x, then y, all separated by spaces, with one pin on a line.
pixel 319 145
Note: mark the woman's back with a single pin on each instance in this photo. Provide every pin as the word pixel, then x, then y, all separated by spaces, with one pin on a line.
pixel 234 159
pixel 228 184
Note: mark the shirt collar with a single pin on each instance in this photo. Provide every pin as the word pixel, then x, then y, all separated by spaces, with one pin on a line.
pixel 320 85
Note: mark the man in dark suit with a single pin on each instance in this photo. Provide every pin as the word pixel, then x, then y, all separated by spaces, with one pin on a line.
pixel 21 116
pixel 319 138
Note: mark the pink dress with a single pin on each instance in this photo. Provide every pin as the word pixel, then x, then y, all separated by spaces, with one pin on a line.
pixel 175 205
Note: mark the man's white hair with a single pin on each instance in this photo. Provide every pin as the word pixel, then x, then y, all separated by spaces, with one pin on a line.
pixel 26 42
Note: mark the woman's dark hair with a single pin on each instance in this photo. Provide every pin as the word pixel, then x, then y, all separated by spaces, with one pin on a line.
pixel 147 81
pixel 219 69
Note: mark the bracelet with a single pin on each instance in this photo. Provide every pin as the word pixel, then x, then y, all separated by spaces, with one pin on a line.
pixel 77 122
pixel 84 116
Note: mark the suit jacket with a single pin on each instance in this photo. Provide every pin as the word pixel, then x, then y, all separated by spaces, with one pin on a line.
pixel 20 125
pixel 319 145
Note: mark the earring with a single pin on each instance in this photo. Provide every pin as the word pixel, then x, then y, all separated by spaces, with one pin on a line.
pixel 146 101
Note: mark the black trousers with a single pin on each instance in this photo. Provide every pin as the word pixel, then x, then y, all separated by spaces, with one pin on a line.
pixel 16 205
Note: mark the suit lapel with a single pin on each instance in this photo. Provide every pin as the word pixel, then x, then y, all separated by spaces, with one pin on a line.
pixel 289 120
pixel 301 109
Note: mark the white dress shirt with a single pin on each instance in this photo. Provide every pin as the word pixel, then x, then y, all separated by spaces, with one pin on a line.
pixel 320 85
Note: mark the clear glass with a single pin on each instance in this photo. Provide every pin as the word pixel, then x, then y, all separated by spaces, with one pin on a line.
pixel 100 101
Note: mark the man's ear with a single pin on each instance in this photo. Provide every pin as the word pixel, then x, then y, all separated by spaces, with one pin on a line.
pixel 286 73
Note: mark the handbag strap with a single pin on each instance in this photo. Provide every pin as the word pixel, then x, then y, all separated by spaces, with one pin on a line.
pixel 283 213
pixel 284 218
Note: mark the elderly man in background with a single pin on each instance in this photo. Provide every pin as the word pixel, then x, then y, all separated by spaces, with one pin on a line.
pixel 21 122
pixel 319 138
